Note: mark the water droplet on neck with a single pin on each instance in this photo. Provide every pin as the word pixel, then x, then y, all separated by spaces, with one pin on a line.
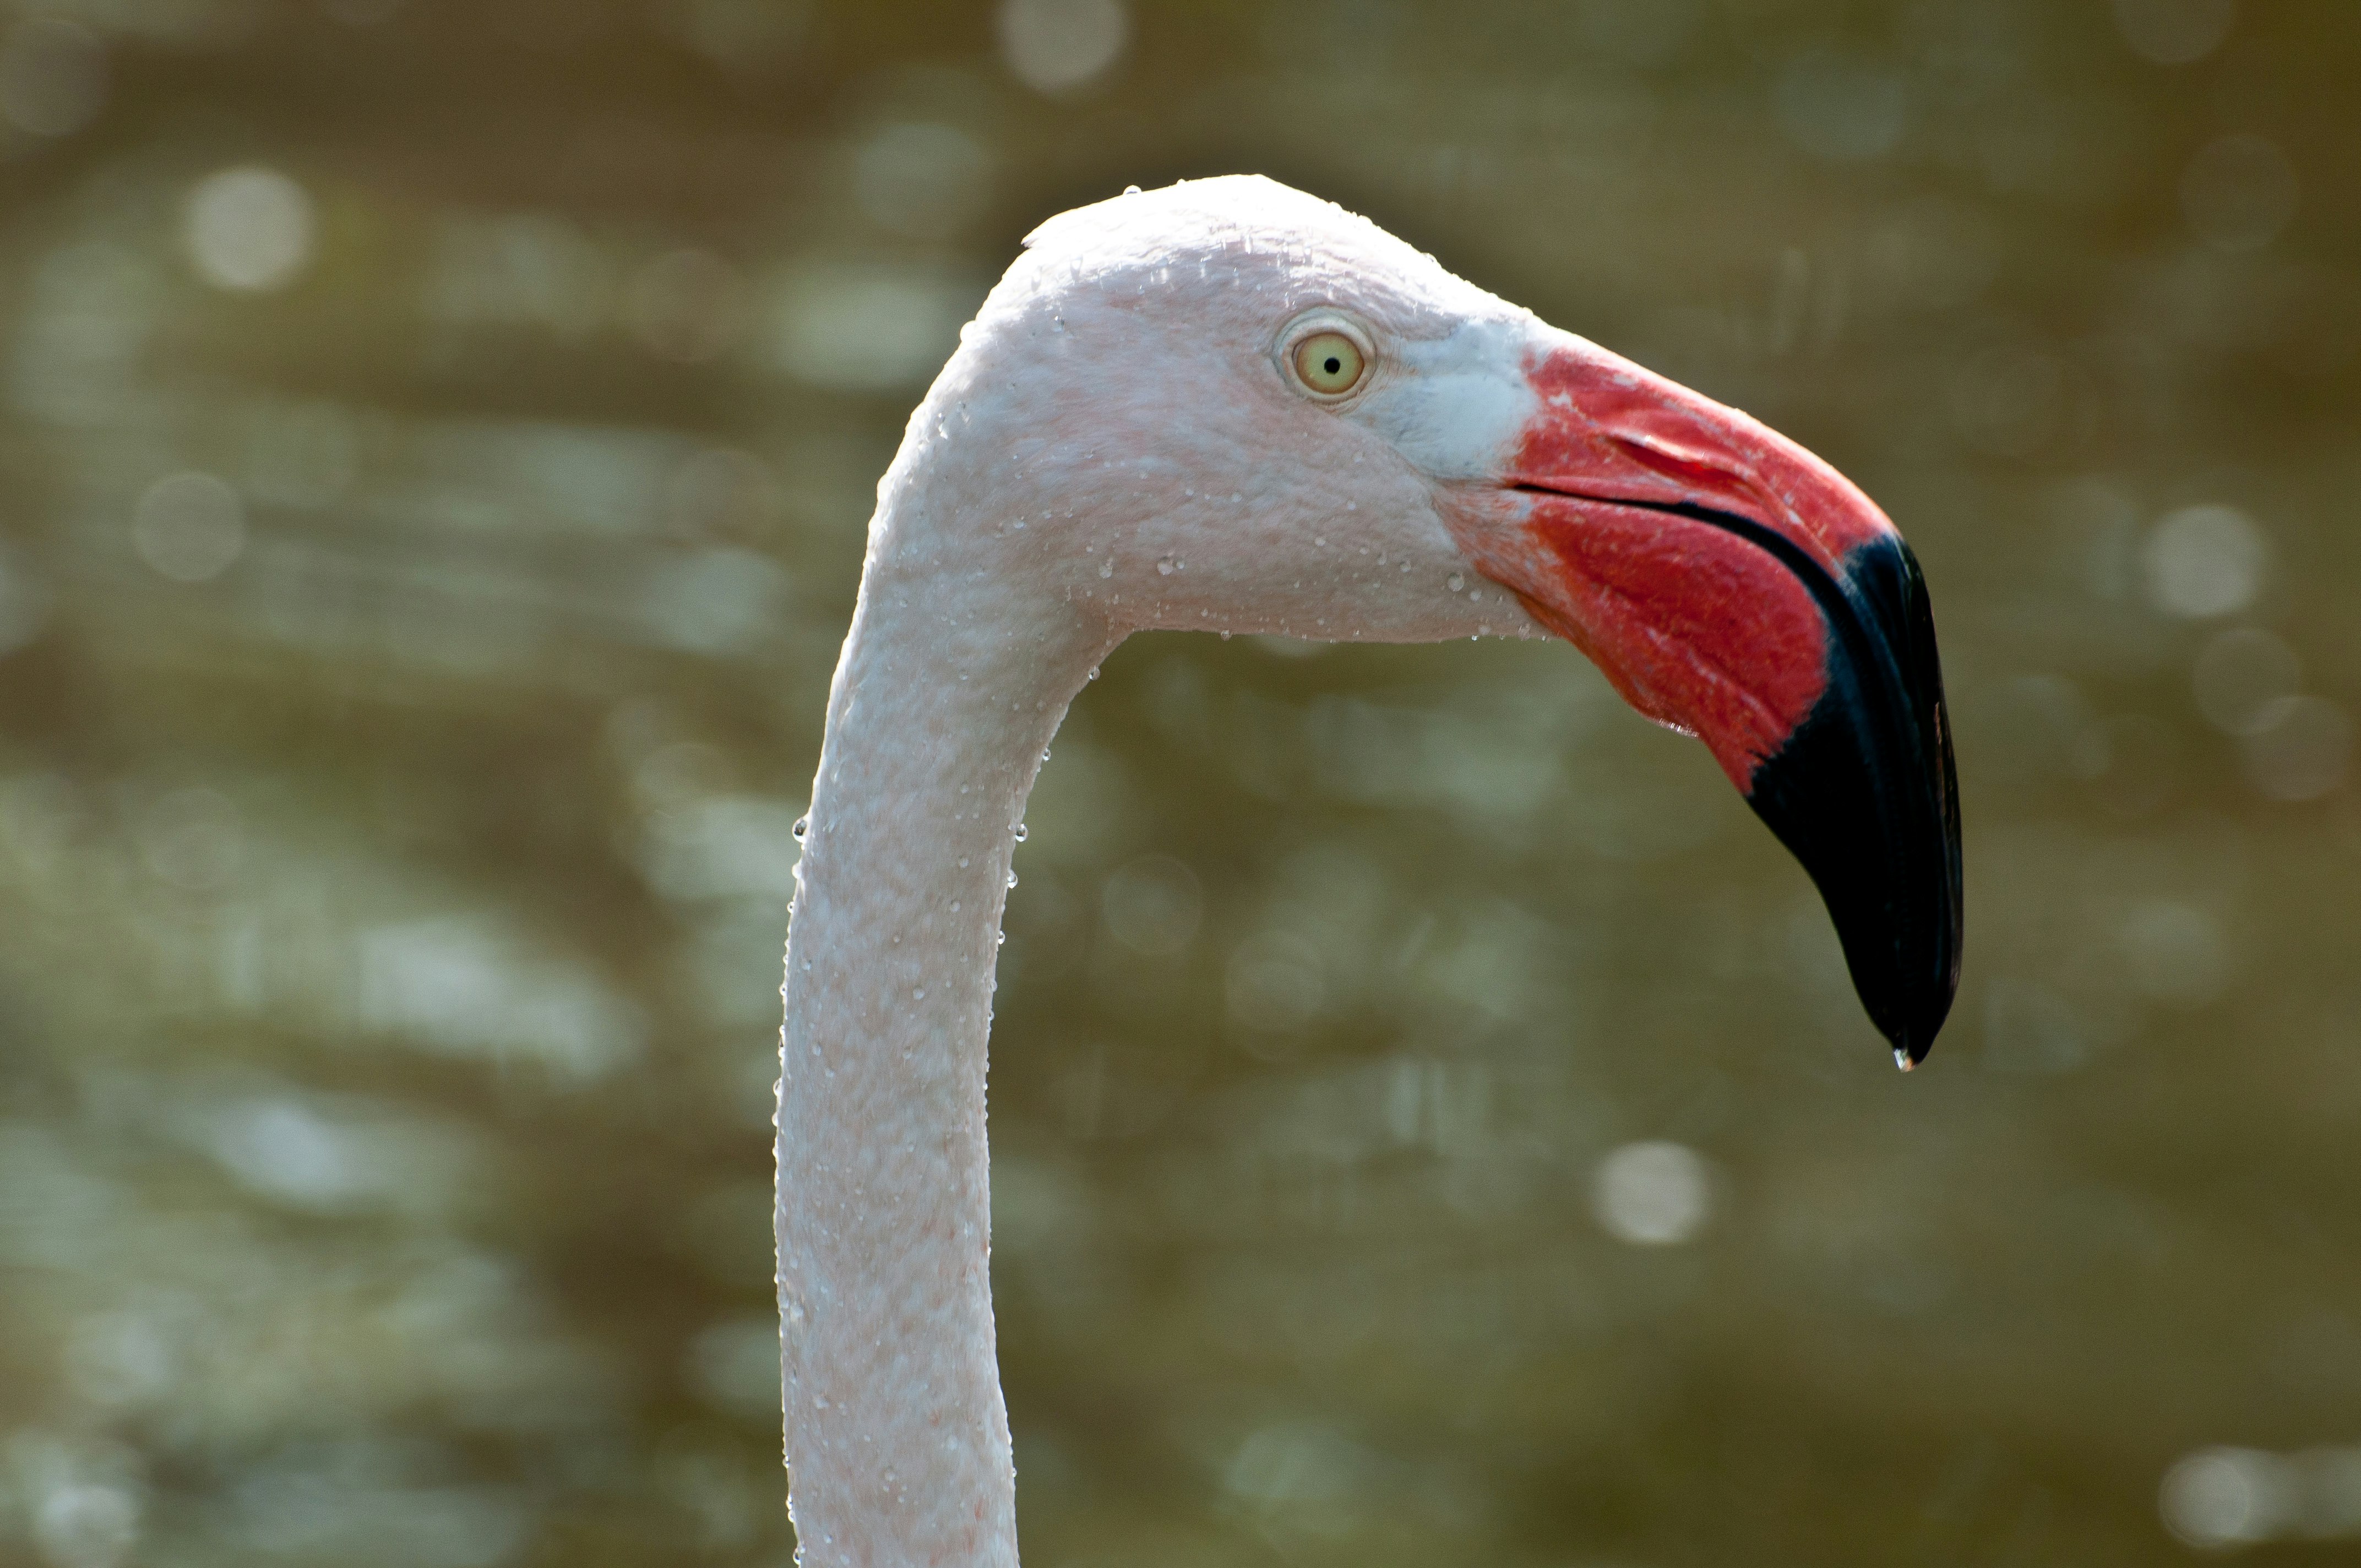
pixel 954 906
pixel 1454 582
pixel 1163 568
pixel 1012 879
pixel 802 826
pixel 1094 672
pixel 1225 635
pixel 962 863
pixel 917 994
pixel 1045 754
pixel 1106 568
pixel 1021 832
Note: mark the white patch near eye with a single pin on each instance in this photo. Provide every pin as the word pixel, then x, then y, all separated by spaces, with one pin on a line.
pixel 1459 410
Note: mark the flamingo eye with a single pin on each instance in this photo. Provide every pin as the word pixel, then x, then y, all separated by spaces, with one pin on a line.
pixel 1330 363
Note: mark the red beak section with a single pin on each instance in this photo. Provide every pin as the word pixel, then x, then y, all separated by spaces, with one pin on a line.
pixel 1734 586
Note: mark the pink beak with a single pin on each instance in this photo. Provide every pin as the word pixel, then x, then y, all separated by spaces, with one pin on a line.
pixel 1735 586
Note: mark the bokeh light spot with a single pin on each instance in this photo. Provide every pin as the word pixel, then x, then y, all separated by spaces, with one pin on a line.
pixel 1651 1194
pixel 719 601
pixel 2220 1496
pixel 845 327
pixel 2204 561
pixel 2223 1498
pixel 1056 45
pixel 249 229
pixel 2240 673
pixel 189 526
pixel 2177 952
pixel 85 1524
pixel 2175 32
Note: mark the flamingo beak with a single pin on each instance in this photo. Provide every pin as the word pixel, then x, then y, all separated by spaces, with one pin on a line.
pixel 1734 586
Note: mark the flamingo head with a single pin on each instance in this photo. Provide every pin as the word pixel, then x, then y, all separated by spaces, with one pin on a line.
pixel 1228 405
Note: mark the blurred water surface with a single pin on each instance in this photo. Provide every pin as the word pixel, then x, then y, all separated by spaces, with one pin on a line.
pixel 1430 1122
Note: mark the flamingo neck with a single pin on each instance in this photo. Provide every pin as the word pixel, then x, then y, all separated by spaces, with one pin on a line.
pixel 951 683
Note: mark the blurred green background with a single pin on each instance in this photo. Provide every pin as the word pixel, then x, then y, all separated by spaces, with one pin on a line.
pixel 1430 1122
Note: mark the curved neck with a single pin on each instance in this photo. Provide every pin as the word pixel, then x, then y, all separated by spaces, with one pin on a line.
pixel 953 679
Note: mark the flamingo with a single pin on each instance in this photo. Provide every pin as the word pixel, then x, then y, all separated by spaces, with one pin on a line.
pixel 1227 405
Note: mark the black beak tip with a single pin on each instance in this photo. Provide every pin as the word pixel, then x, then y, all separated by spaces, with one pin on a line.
pixel 1865 794
pixel 1914 1035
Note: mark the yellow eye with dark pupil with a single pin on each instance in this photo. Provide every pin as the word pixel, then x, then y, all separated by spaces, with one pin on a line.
pixel 1329 362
